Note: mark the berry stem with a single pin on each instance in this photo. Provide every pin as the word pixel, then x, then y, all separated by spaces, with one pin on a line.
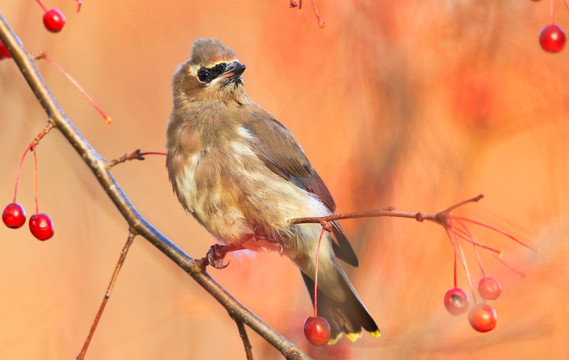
pixel 320 22
pixel 32 144
pixel 455 281
pixel 33 148
pixel 508 266
pixel 108 119
pixel 552 11
pixel 460 253
pixel 19 171
pixel 479 260
pixel 467 236
pixel 79 3
pixel 42 5
pixel 316 273
pixel 496 230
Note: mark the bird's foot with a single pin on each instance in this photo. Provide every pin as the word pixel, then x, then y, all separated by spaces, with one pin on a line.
pixel 216 256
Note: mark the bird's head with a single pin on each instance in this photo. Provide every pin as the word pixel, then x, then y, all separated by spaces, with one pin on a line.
pixel 213 72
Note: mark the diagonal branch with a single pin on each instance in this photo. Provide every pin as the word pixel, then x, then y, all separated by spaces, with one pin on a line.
pixel 138 225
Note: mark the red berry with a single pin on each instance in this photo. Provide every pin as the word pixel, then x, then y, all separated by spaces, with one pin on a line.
pixel 53 20
pixel 41 226
pixel 552 38
pixel 456 301
pixel 489 288
pixel 14 215
pixel 482 317
pixel 4 52
pixel 317 330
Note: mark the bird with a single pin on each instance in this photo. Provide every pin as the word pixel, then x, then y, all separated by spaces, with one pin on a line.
pixel 243 176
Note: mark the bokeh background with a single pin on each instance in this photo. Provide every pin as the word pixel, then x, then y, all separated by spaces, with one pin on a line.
pixel 411 104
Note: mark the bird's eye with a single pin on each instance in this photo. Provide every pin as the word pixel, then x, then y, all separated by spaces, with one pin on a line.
pixel 206 75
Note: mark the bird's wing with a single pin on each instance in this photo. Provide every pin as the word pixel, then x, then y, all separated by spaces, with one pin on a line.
pixel 283 155
pixel 277 148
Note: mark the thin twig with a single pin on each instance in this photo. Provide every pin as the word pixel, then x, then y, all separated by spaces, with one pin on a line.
pixel 135 155
pixel 122 257
pixel 243 334
pixel 363 214
pixel 440 217
pixel 463 202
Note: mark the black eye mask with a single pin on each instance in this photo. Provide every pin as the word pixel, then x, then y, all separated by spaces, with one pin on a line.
pixel 208 74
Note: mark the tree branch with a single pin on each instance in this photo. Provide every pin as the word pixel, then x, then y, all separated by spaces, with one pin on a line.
pixel 138 225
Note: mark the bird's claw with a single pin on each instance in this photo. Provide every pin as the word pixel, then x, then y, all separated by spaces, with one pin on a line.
pixel 216 255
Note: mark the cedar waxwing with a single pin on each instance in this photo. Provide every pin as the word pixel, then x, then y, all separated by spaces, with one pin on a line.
pixel 243 176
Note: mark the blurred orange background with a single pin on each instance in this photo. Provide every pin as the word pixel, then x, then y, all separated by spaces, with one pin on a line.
pixel 411 104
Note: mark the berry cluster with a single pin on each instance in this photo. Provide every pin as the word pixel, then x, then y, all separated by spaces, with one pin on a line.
pixel 482 317
pixel 552 37
pixel 14 215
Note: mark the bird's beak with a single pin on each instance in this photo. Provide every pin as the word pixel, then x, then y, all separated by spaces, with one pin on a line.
pixel 233 69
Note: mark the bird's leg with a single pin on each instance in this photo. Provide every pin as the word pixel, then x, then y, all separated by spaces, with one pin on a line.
pixel 267 243
pixel 216 253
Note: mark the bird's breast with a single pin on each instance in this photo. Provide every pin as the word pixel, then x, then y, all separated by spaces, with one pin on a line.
pixel 235 195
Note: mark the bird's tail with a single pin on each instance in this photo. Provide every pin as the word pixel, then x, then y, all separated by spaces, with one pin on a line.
pixel 339 303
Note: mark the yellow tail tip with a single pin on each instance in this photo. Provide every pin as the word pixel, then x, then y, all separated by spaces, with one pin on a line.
pixel 375 333
pixel 335 340
pixel 354 336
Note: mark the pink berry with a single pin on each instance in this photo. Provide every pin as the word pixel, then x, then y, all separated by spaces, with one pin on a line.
pixel 456 301
pixel 317 330
pixel 489 288
pixel 14 215
pixel 53 20
pixel 41 226
pixel 552 38
pixel 482 317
